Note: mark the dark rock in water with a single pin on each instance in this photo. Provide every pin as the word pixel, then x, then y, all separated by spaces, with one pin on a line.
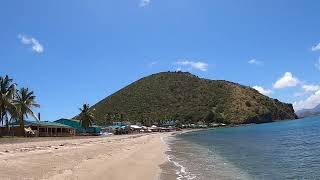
pixel 189 99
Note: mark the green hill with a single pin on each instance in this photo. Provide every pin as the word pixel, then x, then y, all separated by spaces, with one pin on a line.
pixel 187 98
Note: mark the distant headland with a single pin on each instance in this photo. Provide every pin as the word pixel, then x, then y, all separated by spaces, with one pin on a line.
pixel 186 98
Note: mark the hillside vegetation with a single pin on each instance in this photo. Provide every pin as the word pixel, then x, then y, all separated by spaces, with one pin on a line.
pixel 187 98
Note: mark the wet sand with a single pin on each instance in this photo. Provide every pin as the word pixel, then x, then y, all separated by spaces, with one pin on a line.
pixel 170 170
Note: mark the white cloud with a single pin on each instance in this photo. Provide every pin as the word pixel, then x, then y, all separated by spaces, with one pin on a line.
pixel 286 81
pixel 35 45
pixel 193 65
pixel 262 90
pixel 310 87
pixel 153 63
pixel 144 3
pixel 309 103
pixel 255 62
pixel 315 47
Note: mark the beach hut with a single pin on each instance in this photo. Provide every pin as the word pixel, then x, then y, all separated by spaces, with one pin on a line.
pixel 45 128
pixel 92 130
pixel 154 128
pixel 166 129
pixel 135 128
pixel 119 129
pixel 73 123
pixel 42 129
pixel 169 123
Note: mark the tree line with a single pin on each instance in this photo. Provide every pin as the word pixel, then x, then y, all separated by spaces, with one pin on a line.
pixel 16 104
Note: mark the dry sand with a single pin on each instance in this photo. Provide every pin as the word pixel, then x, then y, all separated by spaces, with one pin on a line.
pixel 128 157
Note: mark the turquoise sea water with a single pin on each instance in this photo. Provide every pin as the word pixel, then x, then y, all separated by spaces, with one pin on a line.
pixel 280 150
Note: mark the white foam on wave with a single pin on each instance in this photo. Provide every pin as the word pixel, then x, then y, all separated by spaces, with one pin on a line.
pixel 181 172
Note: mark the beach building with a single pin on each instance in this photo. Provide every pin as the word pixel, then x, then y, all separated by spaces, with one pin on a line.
pixel 119 128
pixel 93 130
pixel 73 123
pixel 169 123
pixel 42 129
pixel 135 129
pixel 155 128
pixel 45 128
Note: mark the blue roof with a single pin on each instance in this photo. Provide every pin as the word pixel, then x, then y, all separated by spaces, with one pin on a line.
pixel 43 123
pixel 73 123
pixel 77 125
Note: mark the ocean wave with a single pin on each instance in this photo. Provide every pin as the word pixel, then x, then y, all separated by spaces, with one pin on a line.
pixel 181 171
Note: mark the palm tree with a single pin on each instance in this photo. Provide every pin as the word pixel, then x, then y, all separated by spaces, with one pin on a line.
pixel 7 95
pixel 86 116
pixel 25 102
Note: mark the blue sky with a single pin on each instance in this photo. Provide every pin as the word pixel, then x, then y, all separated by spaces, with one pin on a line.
pixel 79 51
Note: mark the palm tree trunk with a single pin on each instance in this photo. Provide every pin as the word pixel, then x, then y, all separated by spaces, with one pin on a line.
pixel 1 119
pixel 22 125
pixel 12 128
pixel 1 131
pixel 7 126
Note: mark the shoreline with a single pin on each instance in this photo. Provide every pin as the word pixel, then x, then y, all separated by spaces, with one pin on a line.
pixel 171 170
pixel 138 155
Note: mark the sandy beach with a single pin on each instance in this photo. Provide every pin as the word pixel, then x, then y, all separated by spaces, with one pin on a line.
pixel 115 157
